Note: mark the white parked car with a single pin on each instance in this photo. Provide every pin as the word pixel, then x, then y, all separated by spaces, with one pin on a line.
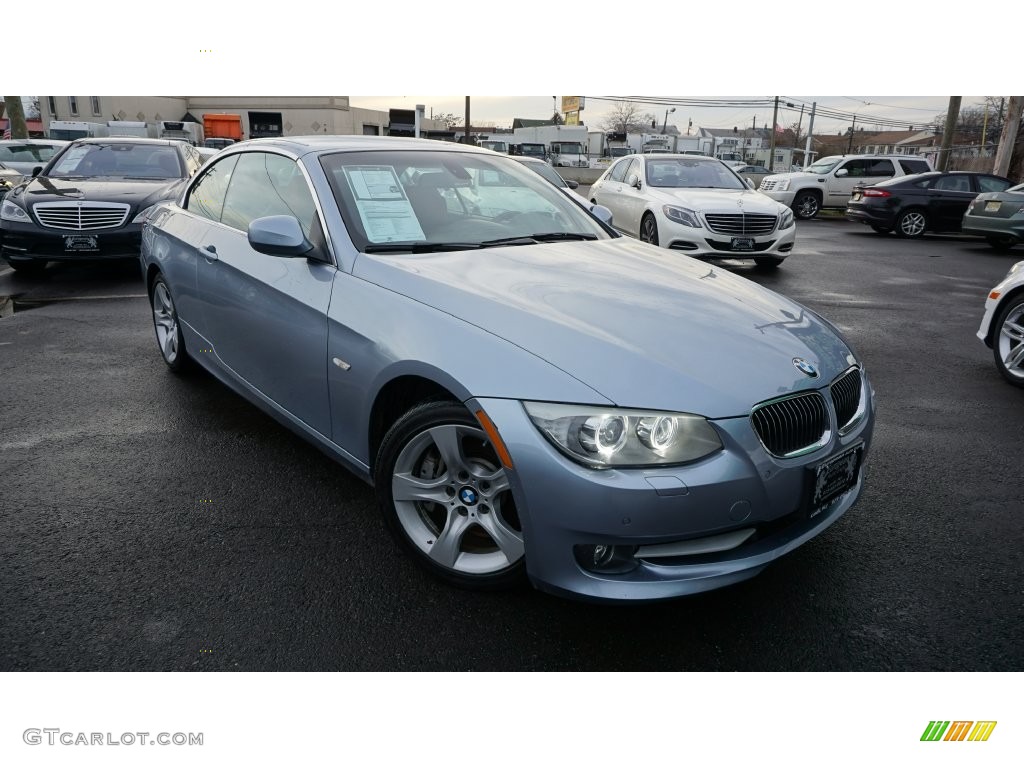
pixel 830 181
pixel 696 205
pixel 23 155
pixel 1002 327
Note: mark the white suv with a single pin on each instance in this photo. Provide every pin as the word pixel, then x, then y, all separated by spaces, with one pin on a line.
pixel 830 181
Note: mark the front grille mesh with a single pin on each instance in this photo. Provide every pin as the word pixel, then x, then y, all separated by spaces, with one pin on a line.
pixel 81 217
pixel 789 426
pixel 767 186
pixel 740 223
pixel 846 396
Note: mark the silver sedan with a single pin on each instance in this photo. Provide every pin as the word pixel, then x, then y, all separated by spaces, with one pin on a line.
pixel 531 395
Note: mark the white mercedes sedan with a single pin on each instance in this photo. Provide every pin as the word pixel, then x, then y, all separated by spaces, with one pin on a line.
pixel 696 205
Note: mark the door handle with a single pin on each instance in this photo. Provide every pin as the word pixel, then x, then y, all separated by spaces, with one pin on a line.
pixel 210 252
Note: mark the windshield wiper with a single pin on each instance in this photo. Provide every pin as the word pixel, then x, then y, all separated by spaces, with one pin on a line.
pixel 540 237
pixel 547 237
pixel 419 247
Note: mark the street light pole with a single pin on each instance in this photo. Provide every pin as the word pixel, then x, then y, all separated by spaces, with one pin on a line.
pixel 664 126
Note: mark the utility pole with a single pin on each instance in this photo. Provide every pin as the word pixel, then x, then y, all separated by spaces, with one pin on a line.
pixel 467 121
pixel 849 145
pixel 947 133
pixel 1009 136
pixel 16 117
pixel 799 125
pixel 810 135
pixel 775 125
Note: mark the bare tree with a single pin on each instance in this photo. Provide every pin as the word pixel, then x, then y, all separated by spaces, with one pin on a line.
pixel 449 119
pixel 16 115
pixel 626 117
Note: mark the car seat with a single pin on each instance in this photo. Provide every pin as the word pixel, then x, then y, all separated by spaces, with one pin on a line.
pixel 429 207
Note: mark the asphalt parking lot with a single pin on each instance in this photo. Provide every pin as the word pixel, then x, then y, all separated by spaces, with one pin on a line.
pixel 161 523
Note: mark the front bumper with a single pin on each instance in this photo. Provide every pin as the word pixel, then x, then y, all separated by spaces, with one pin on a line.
pixel 30 241
pixel 706 243
pixel 563 505
pixel 786 198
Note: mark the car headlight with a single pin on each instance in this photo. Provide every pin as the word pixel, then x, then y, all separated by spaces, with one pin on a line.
pixel 782 186
pixel 786 219
pixel 619 437
pixel 11 212
pixel 683 216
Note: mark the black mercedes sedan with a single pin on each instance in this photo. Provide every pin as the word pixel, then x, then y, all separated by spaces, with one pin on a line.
pixel 90 201
pixel 924 202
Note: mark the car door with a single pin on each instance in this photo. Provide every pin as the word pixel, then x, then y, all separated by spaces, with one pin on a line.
pixel 948 199
pixel 266 316
pixel 178 240
pixel 633 200
pixel 858 171
pixel 610 192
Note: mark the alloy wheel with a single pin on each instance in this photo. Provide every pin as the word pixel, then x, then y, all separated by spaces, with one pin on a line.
pixel 1010 343
pixel 453 500
pixel 912 224
pixel 166 321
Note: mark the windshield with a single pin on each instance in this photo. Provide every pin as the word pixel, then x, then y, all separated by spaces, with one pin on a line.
pixel 139 161
pixel 536 150
pixel 620 151
pixel 26 153
pixel 569 149
pixel 691 172
pixel 824 165
pixel 417 201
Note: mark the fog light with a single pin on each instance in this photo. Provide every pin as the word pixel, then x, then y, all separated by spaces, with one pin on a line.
pixel 606 558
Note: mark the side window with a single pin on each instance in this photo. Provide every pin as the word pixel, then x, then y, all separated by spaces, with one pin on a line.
pixel 953 183
pixel 265 184
pixel 856 168
pixel 992 184
pixel 206 198
pixel 914 166
pixel 880 168
pixel 619 170
pixel 633 166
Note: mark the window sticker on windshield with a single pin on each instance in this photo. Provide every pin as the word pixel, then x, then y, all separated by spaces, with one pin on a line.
pixel 384 210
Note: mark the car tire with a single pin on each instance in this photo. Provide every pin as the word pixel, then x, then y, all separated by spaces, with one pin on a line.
pixel 649 229
pixel 446 498
pixel 1008 341
pixel 167 326
pixel 28 267
pixel 768 262
pixel 806 204
pixel 881 230
pixel 998 243
pixel 911 223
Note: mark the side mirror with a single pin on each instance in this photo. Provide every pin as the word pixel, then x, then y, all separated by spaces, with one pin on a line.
pixel 278 236
pixel 573 184
pixel 750 183
pixel 633 181
pixel 36 171
pixel 842 172
pixel 602 214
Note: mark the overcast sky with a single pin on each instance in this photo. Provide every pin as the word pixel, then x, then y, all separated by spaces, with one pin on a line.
pixel 501 110
pixel 497 51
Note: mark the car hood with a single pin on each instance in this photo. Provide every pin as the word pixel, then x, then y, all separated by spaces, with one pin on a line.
pixel 134 192
pixel 718 200
pixel 642 326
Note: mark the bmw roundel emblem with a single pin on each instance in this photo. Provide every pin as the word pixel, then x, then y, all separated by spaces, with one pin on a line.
pixel 805 367
pixel 468 496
